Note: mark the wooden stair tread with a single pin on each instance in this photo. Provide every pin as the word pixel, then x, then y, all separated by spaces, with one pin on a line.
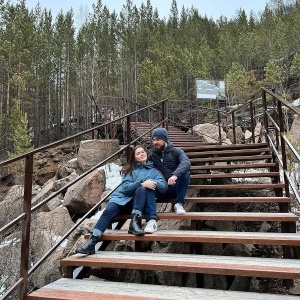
pixel 199 236
pixel 233 166
pixel 235 199
pixel 235 175
pixel 84 289
pixel 225 216
pixel 230 158
pixel 225 147
pixel 182 144
pixel 237 186
pixel 227 152
pixel 209 264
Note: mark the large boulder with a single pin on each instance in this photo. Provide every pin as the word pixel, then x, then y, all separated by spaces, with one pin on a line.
pixel 239 135
pixel 84 194
pixel 257 131
pixel 12 204
pixel 295 130
pixel 92 152
pixel 208 132
pixel 47 229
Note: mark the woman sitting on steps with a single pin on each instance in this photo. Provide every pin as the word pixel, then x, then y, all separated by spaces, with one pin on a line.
pixel 135 195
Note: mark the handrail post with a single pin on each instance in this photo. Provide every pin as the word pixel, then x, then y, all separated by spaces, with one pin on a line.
pixel 252 122
pixel 26 224
pixel 191 118
pixel 283 150
pixel 163 113
pixel 233 127
pixel 276 113
pixel 219 124
pixel 166 104
pixel 266 122
pixel 128 137
pixel 150 115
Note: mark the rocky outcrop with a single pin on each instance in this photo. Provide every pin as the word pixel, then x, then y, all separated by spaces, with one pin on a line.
pixel 84 194
pixel 295 130
pixel 54 219
pixel 48 228
pixel 210 133
pixel 92 152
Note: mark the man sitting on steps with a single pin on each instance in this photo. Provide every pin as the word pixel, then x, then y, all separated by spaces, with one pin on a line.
pixel 174 164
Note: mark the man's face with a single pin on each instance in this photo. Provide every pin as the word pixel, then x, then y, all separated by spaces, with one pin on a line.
pixel 158 144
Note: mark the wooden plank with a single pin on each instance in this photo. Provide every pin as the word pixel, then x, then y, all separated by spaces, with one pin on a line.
pixel 225 216
pixel 236 199
pixel 218 146
pixel 208 264
pixel 233 166
pixel 266 238
pixel 235 175
pixel 239 186
pixel 228 152
pixel 76 289
pixel 228 158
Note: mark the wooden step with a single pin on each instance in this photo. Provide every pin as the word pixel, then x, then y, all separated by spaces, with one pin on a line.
pixel 228 152
pixel 233 166
pixel 237 199
pixel 84 289
pixel 229 158
pixel 182 144
pixel 234 175
pixel 190 236
pixel 173 262
pixel 225 147
pixel 239 186
pixel 225 216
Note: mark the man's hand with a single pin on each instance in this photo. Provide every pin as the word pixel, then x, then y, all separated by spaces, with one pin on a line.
pixel 172 180
pixel 149 184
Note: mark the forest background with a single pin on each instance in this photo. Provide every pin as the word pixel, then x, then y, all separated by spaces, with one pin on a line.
pixel 52 73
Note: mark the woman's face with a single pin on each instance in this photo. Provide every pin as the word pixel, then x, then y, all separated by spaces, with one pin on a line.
pixel 140 155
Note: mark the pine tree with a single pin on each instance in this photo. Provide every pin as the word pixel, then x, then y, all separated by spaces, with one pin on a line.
pixel 21 135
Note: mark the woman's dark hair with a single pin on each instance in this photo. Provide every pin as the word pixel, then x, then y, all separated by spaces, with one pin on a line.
pixel 131 165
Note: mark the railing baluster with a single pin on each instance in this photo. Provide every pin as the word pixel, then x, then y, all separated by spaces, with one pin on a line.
pixel 26 224
pixel 219 124
pixel 252 122
pixel 233 127
pixel 283 148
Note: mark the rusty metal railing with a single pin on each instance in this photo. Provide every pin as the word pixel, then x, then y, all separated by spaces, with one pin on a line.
pixel 268 109
pixel 275 130
pixel 24 219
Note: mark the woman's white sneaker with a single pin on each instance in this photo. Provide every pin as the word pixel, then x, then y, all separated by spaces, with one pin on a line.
pixel 151 226
pixel 179 210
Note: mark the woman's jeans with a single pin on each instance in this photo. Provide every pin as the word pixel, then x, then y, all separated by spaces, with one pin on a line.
pixel 143 201
pixel 176 191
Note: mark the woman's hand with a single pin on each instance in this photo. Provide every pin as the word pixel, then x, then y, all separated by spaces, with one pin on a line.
pixel 149 184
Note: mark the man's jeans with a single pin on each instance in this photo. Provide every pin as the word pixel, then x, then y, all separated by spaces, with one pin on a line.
pixel 143 201
pixel 176 191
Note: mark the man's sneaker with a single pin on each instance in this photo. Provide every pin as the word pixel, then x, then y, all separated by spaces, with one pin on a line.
pixel 179 210
pixel 151 226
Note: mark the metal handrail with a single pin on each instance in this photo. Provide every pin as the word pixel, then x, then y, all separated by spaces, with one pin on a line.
pixel 25 217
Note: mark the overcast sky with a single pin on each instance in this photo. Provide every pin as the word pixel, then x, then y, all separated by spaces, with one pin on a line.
pixel 212 8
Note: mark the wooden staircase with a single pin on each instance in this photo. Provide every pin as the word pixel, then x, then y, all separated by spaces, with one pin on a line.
pixel 226 183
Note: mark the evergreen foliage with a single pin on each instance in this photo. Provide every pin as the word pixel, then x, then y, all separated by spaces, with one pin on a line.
pixel 21 135
pixel 55 72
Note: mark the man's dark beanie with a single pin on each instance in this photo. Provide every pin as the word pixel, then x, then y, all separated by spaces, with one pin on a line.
pixel 160 133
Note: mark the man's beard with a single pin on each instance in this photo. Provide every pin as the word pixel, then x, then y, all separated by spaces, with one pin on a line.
pixel 159 148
